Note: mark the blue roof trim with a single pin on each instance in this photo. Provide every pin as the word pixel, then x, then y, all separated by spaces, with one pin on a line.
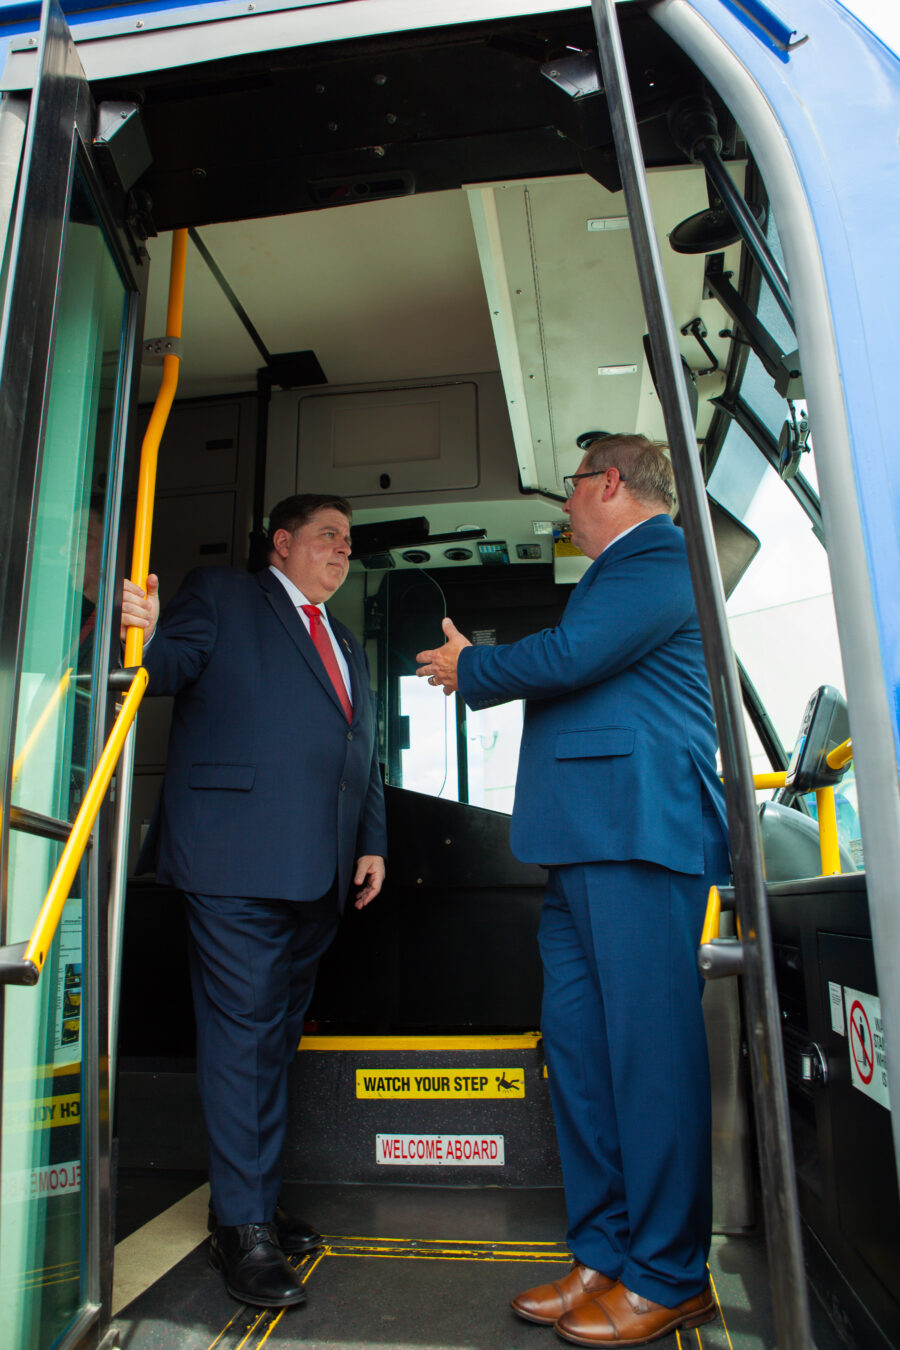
pixel 20 17
pixel 764 23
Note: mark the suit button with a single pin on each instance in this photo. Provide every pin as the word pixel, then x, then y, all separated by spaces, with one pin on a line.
pixel 349 735
pixel 343 787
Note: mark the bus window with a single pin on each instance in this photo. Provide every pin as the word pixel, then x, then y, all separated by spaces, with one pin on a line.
pixel 479 768
pixel 781 612
pixel 435 745
pixel 492 754
pixel 429 762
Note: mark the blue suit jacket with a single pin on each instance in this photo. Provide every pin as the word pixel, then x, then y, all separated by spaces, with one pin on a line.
pixel 619 744
pixel 268 791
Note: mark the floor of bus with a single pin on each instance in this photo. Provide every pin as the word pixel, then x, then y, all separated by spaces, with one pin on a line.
pixel 402 1267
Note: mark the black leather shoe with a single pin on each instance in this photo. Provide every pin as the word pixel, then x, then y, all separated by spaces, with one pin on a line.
pixel 295 1237
pixel 254 1267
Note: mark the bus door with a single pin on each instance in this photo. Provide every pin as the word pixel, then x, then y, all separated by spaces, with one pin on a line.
pixel 74 282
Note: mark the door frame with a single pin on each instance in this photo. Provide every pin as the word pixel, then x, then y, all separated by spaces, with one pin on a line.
pixel 58 140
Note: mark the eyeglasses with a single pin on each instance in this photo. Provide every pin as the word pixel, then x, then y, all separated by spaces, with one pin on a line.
pixel 570 481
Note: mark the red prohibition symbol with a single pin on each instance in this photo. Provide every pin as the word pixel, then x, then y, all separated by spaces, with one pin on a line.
pixel 861 1042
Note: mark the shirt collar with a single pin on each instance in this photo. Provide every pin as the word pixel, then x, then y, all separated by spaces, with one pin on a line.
pixel 297 596
pixel 628 531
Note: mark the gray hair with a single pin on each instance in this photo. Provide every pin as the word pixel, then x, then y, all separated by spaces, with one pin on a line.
pixel 644 465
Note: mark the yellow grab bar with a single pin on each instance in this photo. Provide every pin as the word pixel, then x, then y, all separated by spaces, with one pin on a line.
pixel 143 525
pixel 761 781
pixel 828 835
pixel 48 919
pixel 713 916
pixel 840 755
pixel 70 860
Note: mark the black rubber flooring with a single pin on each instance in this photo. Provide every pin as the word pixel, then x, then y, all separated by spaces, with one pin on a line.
pixel 142 1193
pixel 427 1269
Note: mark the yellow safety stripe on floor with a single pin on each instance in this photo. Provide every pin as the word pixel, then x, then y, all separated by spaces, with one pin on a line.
pixel 263 1322
pixel 430 1249
pixel 712 1285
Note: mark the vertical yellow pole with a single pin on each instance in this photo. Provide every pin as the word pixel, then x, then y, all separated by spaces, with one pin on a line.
pixel 828 836
pixel 140 563
pixel 713 916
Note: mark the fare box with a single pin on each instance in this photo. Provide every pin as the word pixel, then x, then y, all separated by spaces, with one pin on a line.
pixel 439 1150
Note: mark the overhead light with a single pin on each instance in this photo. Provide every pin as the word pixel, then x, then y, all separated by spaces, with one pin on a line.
pixel 617 370
pixel 606 223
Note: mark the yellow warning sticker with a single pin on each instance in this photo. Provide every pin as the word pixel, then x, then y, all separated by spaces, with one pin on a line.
pixel 441 1084
pixel 44 1114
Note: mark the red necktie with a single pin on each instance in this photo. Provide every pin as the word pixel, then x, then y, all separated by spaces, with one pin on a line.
pixel 322 644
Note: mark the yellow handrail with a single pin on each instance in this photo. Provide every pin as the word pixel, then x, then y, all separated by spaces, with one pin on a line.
pixel 761 781
pixel 840 755
pixel 143 525
pixel 829 850
pixel 70 860
pixel 713 916
pixel 48 919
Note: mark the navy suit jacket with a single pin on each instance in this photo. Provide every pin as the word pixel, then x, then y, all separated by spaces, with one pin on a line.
pixel 268 792
pixel 619 744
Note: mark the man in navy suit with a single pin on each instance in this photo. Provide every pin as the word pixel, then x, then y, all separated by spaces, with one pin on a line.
pixel 272 806
pixel 617 793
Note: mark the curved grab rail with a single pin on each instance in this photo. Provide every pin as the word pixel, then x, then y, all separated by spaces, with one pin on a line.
pixel 22 963
pixel 140 561
pixel 27 968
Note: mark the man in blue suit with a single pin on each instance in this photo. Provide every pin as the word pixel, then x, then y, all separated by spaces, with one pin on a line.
pixel 617 793
pixel 272 806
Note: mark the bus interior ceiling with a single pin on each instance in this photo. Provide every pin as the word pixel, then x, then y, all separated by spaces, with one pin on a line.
pixel 482 282
pixel 426 137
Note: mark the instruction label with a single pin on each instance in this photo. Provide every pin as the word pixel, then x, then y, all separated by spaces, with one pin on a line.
pixel 836 1001
pixel 440 1084
pixel 865 1034
pixel 44 1114
pixel 439 1150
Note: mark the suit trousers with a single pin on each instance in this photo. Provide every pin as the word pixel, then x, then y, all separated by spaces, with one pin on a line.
pixel 253 969
pixel 629 1069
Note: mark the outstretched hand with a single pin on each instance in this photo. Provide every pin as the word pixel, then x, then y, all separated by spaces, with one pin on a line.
pixel 140 609
pixel 439 665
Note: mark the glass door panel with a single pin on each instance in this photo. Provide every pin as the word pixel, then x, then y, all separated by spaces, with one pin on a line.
pixel 45 1175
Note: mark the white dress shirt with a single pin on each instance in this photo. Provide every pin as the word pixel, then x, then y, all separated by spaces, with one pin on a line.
pixel 298 599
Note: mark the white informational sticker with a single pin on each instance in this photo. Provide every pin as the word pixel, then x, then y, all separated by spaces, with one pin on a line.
pixel 40 1182
pixel 865 1034
pixel 67 1043
pixel 836 997
pixel 439 1150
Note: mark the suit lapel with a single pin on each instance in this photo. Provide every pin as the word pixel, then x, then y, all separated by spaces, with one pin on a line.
pixel 281 603
pixel 359 684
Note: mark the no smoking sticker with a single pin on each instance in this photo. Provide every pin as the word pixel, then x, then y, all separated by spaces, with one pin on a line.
pixel 865 1035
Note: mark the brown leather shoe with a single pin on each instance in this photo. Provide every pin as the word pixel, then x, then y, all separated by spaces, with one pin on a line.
pixel 609 1319
pixel 546 1303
